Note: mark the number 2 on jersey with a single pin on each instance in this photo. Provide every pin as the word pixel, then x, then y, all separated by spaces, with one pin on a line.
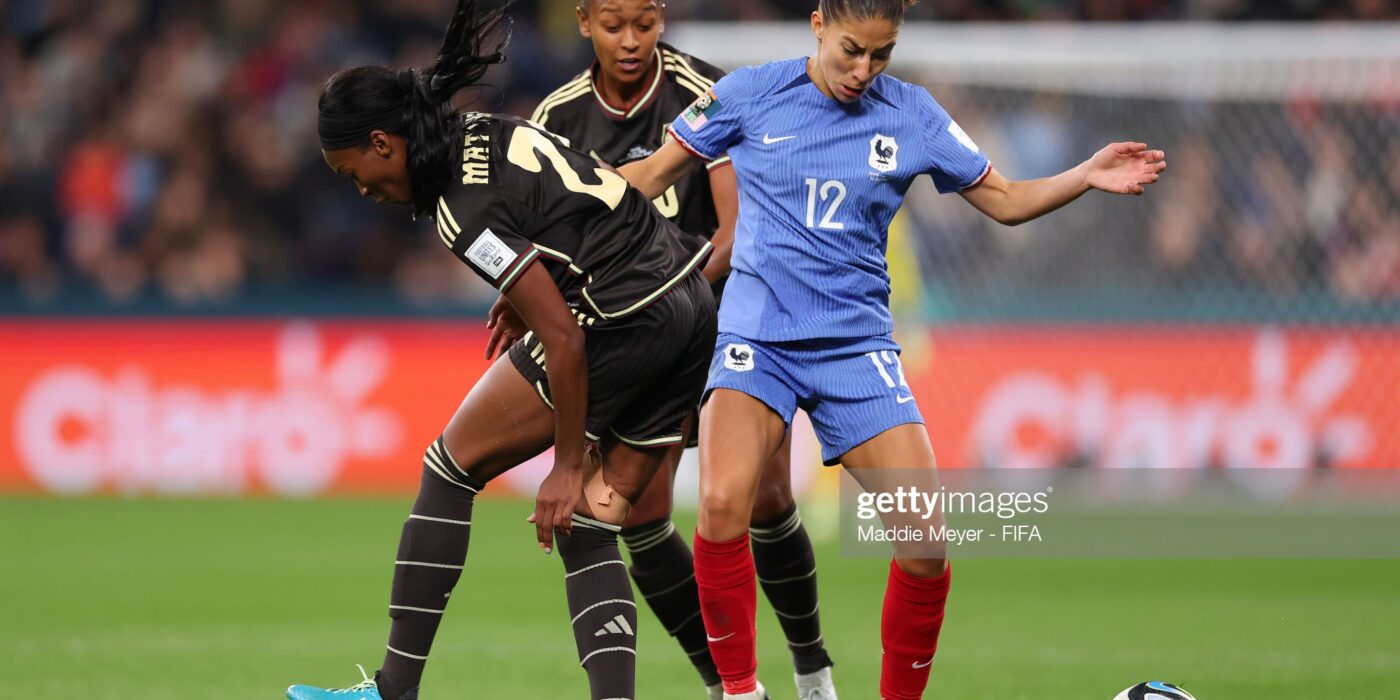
pixel 526 145
pixel 828 219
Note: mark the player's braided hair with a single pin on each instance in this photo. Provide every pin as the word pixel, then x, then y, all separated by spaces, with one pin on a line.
pixel 416 104
pixel 837 10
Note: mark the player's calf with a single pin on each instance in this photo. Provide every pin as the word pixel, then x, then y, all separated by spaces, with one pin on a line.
pixel 664 571
pixel 432 553
pixel 787 571
pixel 909 627
pixel 604 616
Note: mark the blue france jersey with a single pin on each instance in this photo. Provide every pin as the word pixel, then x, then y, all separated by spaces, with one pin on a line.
pixel 819 183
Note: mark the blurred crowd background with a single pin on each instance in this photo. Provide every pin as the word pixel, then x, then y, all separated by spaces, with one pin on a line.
pixel 162 155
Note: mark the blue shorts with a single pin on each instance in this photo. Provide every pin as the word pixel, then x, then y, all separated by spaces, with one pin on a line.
pixel 852 388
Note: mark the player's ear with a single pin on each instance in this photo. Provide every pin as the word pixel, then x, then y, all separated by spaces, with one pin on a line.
pixel 380 143
pixel 581 11
pixel 817 24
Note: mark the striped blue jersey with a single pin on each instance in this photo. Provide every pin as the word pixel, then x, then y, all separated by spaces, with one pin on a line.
pixel 819 183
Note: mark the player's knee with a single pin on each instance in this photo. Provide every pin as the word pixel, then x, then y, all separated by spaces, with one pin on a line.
pixel 603 502
pixel 724 515
pixel 649 508
pixel 922 568
pixel 772 500
pixel 439 465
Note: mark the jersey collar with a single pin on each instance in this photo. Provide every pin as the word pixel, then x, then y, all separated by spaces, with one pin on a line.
pixel 801 79
pixel 642 104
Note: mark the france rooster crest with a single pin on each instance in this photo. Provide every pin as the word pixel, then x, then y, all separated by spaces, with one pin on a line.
pixel 738 357
pixel 883 153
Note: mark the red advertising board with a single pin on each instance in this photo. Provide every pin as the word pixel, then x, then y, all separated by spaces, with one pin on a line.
pixel 1162 397
pixel 301 408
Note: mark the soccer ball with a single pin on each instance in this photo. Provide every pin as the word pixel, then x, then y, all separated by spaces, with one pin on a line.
pixel 1154 690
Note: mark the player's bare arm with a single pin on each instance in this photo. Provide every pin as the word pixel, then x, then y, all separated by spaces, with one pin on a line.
pixel 724 189
pixel 1119 168
pixel 542 308
pixel 653 174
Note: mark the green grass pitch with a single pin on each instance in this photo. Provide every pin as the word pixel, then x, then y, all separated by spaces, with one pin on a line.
pixel 165 600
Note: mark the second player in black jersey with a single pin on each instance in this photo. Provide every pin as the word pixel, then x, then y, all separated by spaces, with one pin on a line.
pixel 620 327
pixel 581 112
pixel 618 111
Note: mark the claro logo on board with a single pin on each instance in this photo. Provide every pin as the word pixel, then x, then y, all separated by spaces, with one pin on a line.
pixel 1287 418
pixel 78 430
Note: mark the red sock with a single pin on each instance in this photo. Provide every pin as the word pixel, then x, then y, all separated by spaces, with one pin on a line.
pixel 909 631
pixel 728 592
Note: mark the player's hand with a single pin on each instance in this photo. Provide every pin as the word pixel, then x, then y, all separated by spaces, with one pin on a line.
pixel 506 328
pixel 1125 168
pixel 555 503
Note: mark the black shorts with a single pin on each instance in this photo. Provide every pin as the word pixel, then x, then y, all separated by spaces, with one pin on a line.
pixel 645 371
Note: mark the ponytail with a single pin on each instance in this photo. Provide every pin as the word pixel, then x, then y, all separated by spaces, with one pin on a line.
pixel 416 104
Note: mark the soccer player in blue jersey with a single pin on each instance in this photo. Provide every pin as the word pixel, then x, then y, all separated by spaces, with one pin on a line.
pixel 824 148
pixel 619 110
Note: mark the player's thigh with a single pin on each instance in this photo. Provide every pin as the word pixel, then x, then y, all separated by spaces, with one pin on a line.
pixel 502 422
pixel 860 405
pixel 656 501
pixel 775 485
pixel 625 474
pixel 905 446
pixel 900 460
pixel 738 435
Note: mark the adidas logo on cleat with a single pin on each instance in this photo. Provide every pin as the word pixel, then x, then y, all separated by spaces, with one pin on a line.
pixel 617 625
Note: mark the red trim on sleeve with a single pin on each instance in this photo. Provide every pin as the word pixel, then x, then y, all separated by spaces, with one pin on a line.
pixel 672 131
pixel 520 267
pixel 985 174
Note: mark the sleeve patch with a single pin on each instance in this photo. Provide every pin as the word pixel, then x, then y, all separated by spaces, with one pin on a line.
pixel 962 137
pixel 490 254
pixel 704 109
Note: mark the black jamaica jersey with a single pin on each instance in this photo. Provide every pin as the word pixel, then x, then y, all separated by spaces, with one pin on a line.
pixel 578 113
pixel 523 196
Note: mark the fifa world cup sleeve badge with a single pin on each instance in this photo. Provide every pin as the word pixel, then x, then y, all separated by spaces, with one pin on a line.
pixel 701 111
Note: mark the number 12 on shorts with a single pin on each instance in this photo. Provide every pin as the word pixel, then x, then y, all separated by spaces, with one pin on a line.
pixel 883 360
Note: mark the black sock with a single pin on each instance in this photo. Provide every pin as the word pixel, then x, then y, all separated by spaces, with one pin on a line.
pixel 432 552
pixel 664 572
pixel 787 570
pixel 601 607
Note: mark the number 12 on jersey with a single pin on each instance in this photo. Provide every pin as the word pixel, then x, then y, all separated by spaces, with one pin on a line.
pixel 832 190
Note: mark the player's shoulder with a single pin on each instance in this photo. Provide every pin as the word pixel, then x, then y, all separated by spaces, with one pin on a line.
pixel 765 79
pixel 908 96
pixel 686 71
pixel 565 97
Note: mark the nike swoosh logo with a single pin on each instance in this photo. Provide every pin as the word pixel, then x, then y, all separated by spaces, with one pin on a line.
pixel 708 638
pixel 925 664
pixel 768 141
pixel 904 399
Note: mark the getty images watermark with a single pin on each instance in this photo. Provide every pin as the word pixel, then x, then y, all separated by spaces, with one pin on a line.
pixel 916 520
pixel 913 513
pixel 1120 513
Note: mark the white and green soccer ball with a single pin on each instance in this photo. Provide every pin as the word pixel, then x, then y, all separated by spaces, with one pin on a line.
pixel 1154 690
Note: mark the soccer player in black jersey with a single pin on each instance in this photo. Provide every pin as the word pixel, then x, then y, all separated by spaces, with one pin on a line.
pixel 618 111
pixel 620 327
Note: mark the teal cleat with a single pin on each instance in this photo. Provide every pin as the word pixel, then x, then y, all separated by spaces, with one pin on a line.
pixel 364 690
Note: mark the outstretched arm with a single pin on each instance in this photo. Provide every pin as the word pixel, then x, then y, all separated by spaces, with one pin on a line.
pixel 1120 168
pixel 658 171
